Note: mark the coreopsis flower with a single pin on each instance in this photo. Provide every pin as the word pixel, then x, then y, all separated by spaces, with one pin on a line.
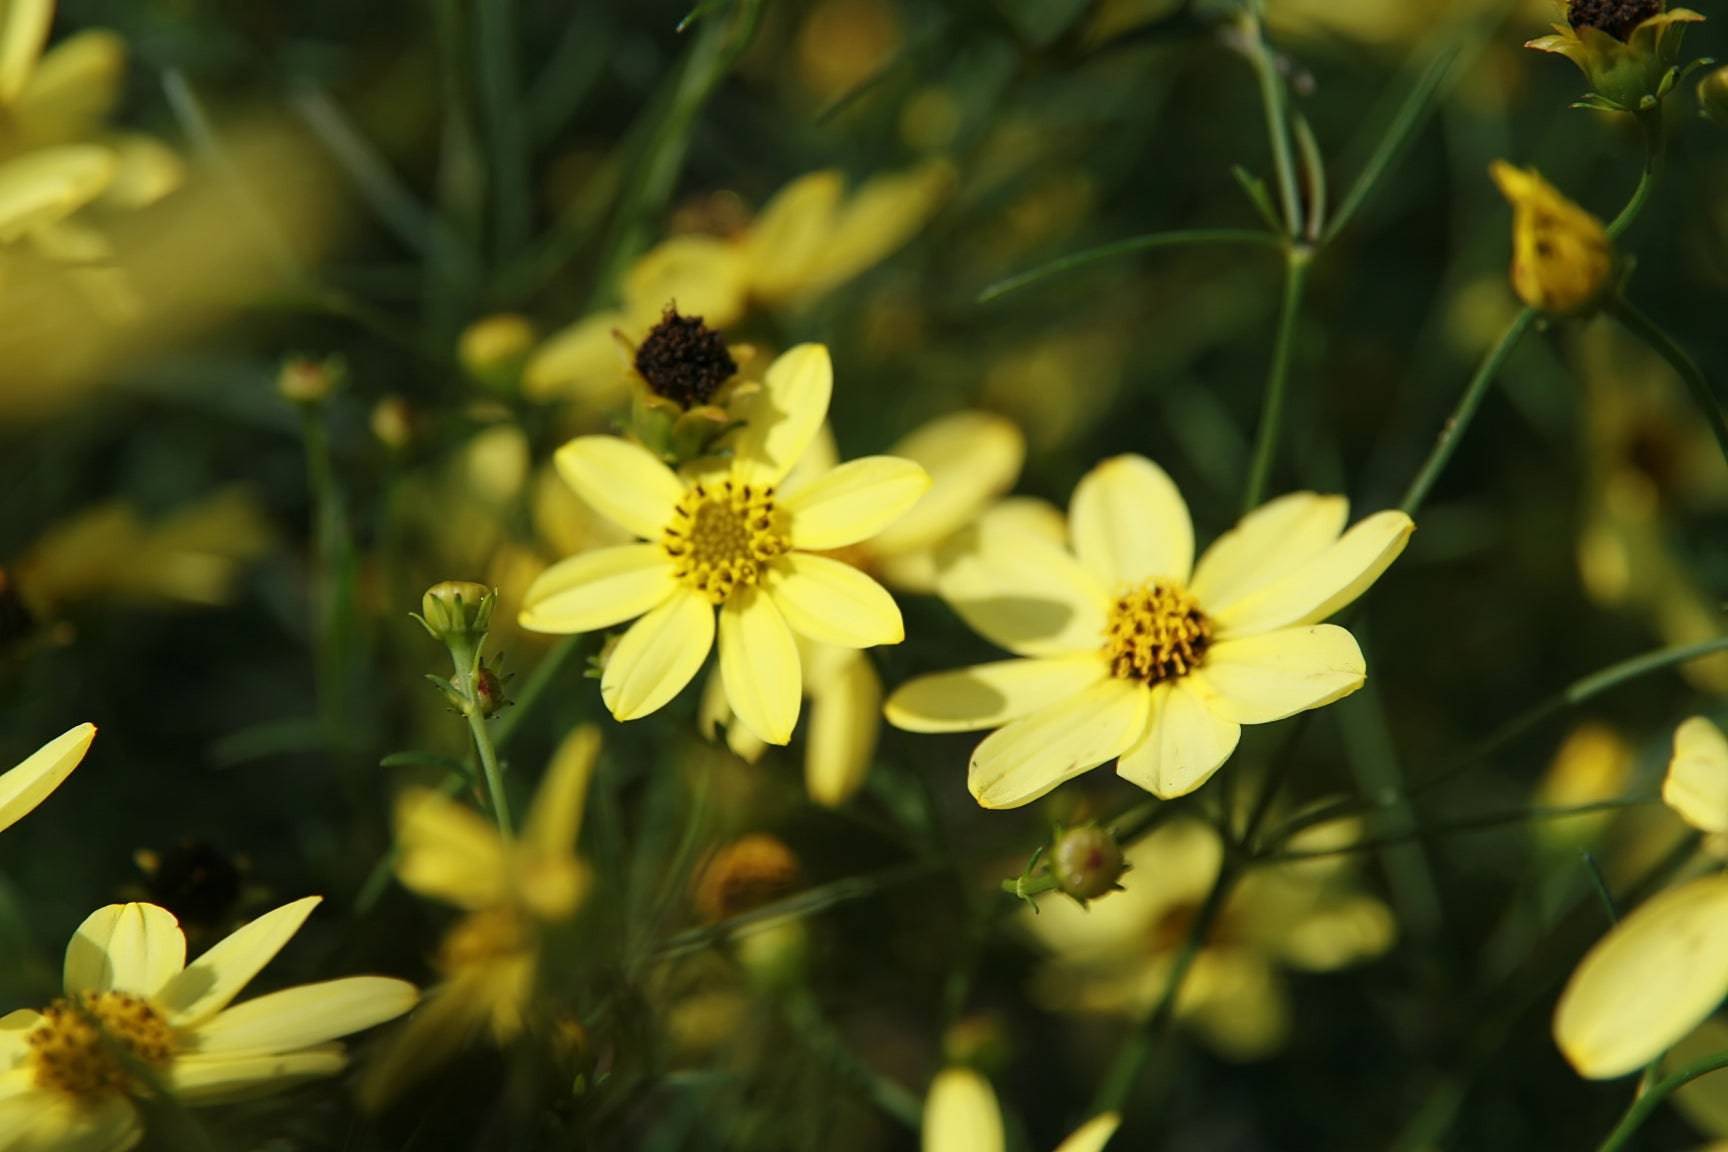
pixel 135 1018
pixel 510 894
pixel 961 1114
pixel 1130 651
pixel 1114 955
pixel 1562 259
pixel 1696 785
pixel 723 543
pixel 1657 975
pixel 807 241
pixel 972 458
pixel 24 787
pixel 1629 50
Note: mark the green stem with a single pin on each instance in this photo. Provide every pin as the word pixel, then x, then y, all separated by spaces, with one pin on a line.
pixel 500 804
pixel 336 577
pixel 1297 259
pixel 1453 431
pixel 1651 122
pixel 1653 1097
pixel 1647 330
pixel 1412 113
pixel 1272 97
pixel 1481 823
pixel 1193 237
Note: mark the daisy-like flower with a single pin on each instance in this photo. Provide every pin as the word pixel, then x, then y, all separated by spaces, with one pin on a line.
pixel 972 459
pixel 1130 650
pixel 723 542
pixel 135 1016
pixel 1626 48
pixel 1562 259
pixel 510 892
pixel 27 785
pixel 962 1114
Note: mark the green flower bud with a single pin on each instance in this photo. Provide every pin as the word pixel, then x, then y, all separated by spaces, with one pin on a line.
pixel 304 380
pixel 1086 861
pixel 458 611
pixel 494 350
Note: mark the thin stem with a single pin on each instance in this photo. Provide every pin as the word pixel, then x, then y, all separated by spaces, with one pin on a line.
pixel 1654 138
pixel 499 803
pixel 1272 97
pixel 1087 256
pixel 1653 1097
pixel 335 588
pixel 1272 406
pixel 1453 430
pixel 1411 114
pixel 1482 823
pixel 1647 330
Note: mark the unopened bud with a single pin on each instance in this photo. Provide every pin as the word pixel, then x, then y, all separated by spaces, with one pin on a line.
pixel 494 349
pixel 1086 861
pixel 458 610
pixel 393 422
pixel 742 876
pixel 304 380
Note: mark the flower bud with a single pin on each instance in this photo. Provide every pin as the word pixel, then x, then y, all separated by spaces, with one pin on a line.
pixel 1086 861
pixel 303 380
pixel 494 349
pixel 393 422
pixel 1562 259
pixel 458 610
pixel 1713 96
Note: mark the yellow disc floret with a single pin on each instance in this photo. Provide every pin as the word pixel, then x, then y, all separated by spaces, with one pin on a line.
pixel 90 1045
pixel 1156 633
pixel 723 535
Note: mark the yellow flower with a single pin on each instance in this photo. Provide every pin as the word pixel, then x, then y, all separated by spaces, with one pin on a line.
pixel 1696 785
pixel 1592 764
pixel 135 1014
pixel 27 785
pixel 1654 978
pixel 807 241
pixel 1562 260
pixel 1114 955
pixel 1130 650
pixel 724 542
pixel 510 891
pixel 961 1114
pixel 972 458
pixel 1624 47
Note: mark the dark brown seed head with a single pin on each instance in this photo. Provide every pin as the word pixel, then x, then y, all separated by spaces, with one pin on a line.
pixel 683 360
pixel 1616 17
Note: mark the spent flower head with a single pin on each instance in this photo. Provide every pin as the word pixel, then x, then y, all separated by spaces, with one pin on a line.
pixel 1562 258
pixel 1629 50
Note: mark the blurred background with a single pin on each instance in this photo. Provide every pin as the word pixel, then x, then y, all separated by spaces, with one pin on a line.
pixel 220 577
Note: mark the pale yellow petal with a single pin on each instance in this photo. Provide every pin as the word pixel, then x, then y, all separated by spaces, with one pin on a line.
pixel 790 236
pixel 883 214
pixel 1130 524
pixel 854 501
pixel 1309 592
pixel 1030 757
pixel 820 458
pixel 14 1027
pixel 50 184
pixel 210 983
pixel 1697 782
pixel 1271 540
pixel 585 358
pixel 448 851
pixel 1185 741
pixel 73 89
pixel 702 276
pixel 43 1122
pixel 146 171
pixel 1093 1135
pixel 658 656
pixel 23 31
pixel 759 665
pixel 225 1079
pixel 844 716
pixel 989 695
pixel 598 589
pixel 972 458
pixel 555 820
pixel 833 603
pixel 1259 679
pixel 1650 981
pixel 783 417
pixel 961 1114
pixel 306 1016
pixel 24 787
pixel 622 481
pixel 1021 592
pixel 133 948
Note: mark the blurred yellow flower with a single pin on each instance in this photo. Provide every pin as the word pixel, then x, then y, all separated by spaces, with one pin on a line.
pixel 1130 650
pixel 1654 978
pixel 24 787
pixel 961 1114
pixel 1114 956
pixel 1696 785
pixel 1624 47
pixel 490 961
pixel 972 458
pixel 1593 763
pixel 1562 259
pixel 724 542
pixel 807 241
pixel 135 1015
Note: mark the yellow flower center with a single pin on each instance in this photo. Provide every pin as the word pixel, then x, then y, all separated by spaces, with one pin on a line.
pixel 89 1045
pixel 723 536
pixel 484 937
pixel 1156 633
